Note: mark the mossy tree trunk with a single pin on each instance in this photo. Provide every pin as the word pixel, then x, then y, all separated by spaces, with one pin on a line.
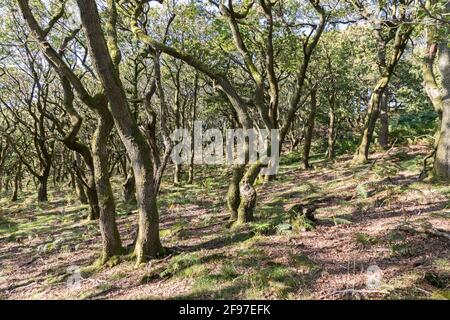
pixel 441 166
pixel 111 243
pixel 401 39
pixel 43 186
pixel 79 187
pixel 129 188
pixel 233 195
pixel 248 194
pixel 438 93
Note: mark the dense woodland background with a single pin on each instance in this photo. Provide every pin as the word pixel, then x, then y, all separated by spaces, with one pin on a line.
pixel 90 92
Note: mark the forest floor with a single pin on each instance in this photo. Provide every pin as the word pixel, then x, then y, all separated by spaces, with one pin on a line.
pixel 380 233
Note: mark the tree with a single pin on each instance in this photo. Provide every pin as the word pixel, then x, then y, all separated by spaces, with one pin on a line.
pixel 437 34
pixel 393 20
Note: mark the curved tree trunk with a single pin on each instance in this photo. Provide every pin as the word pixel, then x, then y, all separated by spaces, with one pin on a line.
pixel 111 244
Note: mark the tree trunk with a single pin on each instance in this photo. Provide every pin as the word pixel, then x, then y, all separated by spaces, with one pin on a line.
pixel 384 120
pixel 194 118
pixel 94 212
pixel 111 244
pixel 176 173
pixel 191 167
pixel 438 93
pixel 441 166
pixel 91 191
pixel 17 179
pixel 43 186
pixel 233 195
pixel 362 152
pixel 331 132
pixel 248 194
pixel 129 188
pixel 309 130
pixel 79 187
pixel 80 191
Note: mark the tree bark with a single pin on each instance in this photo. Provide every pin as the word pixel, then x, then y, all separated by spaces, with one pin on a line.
pixel 43 186
pixel 384 120
pixel 331 131
pixel 17 179
pixel 248 194
pixel 111 243
pixel 194 118
pixel 79 187
pixel 176 173
pixel 129 188
pixel 309 130
pixel 441 166
pixel 233 195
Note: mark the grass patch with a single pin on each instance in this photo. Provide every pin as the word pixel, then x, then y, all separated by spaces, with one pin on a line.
pixel 365 239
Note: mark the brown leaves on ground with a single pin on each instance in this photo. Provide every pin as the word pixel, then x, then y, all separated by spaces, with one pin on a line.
pixel 377 214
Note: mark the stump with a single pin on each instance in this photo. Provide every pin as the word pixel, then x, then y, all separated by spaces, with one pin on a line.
pixel 301 217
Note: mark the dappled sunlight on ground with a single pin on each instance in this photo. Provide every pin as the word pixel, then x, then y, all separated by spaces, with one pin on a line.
pixel 374 214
